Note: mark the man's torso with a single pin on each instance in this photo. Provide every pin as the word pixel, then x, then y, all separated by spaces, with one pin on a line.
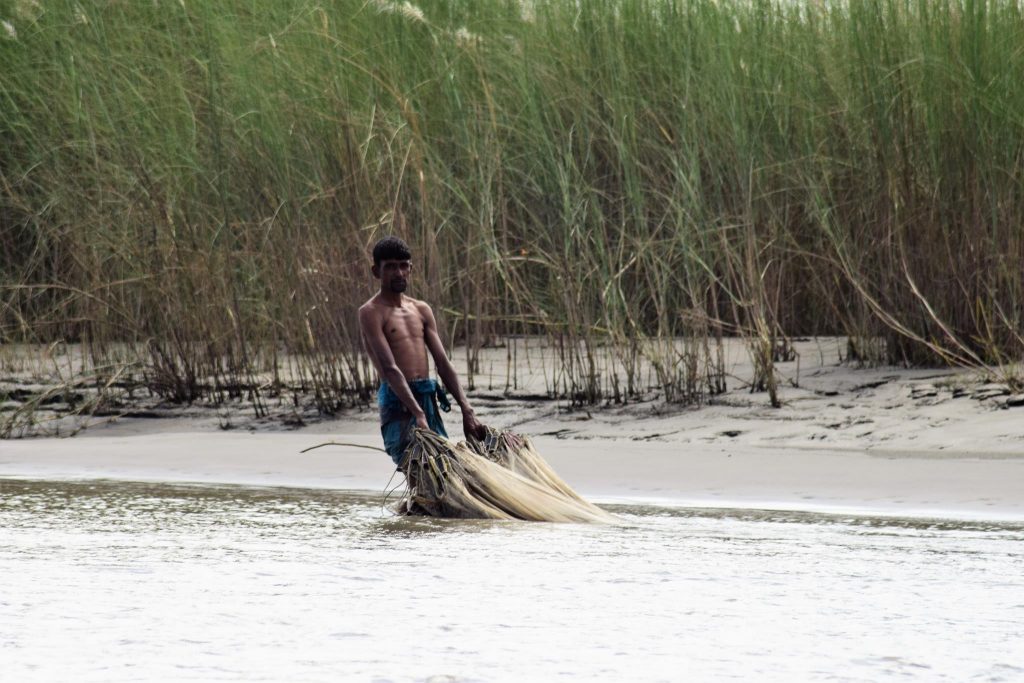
pixel 403 328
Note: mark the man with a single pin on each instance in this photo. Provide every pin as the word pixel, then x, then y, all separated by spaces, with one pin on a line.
pixel 398 331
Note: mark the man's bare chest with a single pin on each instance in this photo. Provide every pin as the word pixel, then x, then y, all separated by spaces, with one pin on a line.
pixel 402 324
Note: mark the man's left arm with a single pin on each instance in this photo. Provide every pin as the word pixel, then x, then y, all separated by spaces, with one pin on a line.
pixel 470 425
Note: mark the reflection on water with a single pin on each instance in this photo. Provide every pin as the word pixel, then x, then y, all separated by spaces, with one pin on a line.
pixel 110 581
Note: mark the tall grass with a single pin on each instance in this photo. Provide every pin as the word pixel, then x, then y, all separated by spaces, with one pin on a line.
pixel 203 180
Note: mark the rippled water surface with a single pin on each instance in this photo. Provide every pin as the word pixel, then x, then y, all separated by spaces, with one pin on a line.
pixel 105 581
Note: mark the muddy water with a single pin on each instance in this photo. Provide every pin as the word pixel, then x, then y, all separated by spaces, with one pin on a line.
pixel 106 581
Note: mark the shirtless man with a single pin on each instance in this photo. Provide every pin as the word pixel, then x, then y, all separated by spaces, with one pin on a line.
pixel 398 331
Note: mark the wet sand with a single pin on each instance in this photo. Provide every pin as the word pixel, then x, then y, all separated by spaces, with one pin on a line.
pixel 957 485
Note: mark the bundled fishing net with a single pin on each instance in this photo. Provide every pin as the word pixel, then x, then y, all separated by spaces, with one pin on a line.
pixel 499 477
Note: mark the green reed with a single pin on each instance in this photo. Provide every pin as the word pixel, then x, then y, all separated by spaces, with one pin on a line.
pixel 634 180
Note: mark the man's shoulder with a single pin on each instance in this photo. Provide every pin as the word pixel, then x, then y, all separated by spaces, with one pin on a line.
pixel 423 308
pixel 419 303
pixel 371 307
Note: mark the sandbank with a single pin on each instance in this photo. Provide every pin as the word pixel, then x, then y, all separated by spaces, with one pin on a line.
pixel 882 441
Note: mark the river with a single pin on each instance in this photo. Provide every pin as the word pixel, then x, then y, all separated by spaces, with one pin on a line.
pixel 116 581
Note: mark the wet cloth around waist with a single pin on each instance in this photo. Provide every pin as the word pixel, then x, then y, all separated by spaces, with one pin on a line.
pixel 396 423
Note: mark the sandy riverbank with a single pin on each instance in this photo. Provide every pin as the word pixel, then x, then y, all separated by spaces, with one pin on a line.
pixel 879 441
pixel 984 486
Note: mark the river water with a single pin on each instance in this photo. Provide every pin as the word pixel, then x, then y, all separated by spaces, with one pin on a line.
pixel 114 581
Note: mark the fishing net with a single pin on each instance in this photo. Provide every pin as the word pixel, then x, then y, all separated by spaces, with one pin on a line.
pixel 499 477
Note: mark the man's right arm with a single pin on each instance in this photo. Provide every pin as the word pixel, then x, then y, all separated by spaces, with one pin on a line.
pixel 380 352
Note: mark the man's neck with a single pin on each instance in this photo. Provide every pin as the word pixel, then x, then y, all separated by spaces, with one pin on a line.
pixel 394 299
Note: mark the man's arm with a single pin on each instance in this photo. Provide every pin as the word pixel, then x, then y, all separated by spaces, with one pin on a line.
pixel 470 425
pixel 380 353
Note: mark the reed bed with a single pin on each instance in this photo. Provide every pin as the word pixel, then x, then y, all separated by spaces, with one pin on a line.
pixel 201 182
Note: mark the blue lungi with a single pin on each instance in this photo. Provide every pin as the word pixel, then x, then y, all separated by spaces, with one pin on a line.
pixel 396 423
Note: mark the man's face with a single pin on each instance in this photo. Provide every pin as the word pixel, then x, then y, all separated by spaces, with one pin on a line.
pixel 394 274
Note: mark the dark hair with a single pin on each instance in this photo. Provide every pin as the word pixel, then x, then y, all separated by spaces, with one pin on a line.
pixel 391 247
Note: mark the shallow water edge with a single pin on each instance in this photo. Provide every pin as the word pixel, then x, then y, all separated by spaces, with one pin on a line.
pixel 640 507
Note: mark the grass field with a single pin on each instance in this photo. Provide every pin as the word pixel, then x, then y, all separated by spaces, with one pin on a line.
pixel 201 181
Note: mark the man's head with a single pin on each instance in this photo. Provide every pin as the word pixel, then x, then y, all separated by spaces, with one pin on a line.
pixel 392 264
pixel 391 248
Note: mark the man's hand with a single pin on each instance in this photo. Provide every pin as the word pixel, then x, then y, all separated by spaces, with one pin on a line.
pixel 421 421
pixel 471 426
